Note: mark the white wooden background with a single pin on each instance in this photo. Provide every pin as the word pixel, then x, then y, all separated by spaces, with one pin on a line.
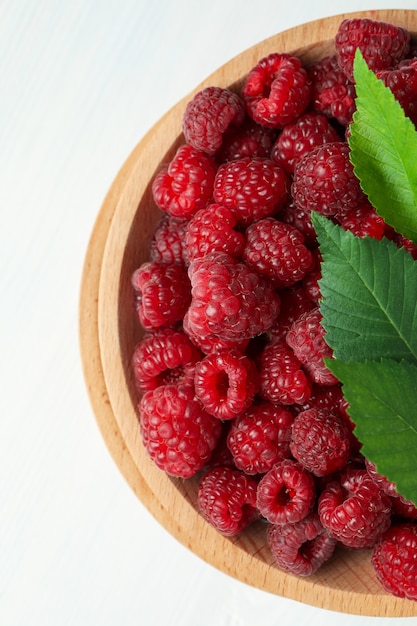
pixel 80 83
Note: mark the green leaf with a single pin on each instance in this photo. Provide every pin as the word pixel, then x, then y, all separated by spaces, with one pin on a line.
pixel 382 399
pixel 369 295
pixel 383 143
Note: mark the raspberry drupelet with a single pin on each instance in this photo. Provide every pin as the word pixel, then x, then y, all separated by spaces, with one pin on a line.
pixel 286 493
pixel 333 93
pixel 227 499
pixel 260 437
pixel 178 434
pixel 394 559
pixel 212 229
pixel 168 241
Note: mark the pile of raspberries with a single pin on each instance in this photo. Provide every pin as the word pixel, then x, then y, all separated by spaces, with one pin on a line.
pixel 233 385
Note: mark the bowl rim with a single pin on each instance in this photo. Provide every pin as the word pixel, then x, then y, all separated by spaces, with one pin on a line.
pixel 99 343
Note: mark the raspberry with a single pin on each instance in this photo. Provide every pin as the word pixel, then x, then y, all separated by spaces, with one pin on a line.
pixel 225 383
pixel 164 357
pixel 333 94
pixel 320 441
pixel 168 241
pixel 363 221
pixel 301 220
pixel 306 338
pixel 178 434
pixel 402 81
pixel 227 500
pixel 382 45
pixel 212 343
pixel 300 548
pixel 286 493
pixel 162 294
pixel 400 505
pixel 229 299
pixel 282 380
pixel 354 510
pixel 185 185
pixel 277 251
pixel 294 302
pixel 212 229
pixel 277 90
pixel 296 139
pixel 310 282
pixel 247 140
pixel 252 188
pixel 260 437
pixel 394 559
pixel 324 180
pixel 208 115
pixel 330 398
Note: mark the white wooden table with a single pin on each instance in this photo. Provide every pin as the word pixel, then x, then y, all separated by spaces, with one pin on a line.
pixel 81 82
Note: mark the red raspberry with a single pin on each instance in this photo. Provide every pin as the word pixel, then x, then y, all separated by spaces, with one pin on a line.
pixel 301 220
pixel 324 180
pixel 212 230
pixel 277 90
pixel 383 45
pixel 178 434
pixel 277 251
pixel 296 139
pixel 333 92
pixel 227 500
pixel 211 343
pixel 286 493
pixel 252 188
pixel 354 510
pixel 306 338
pixel 282 380
pixel 300 548
pixel 225 383
pixel 394 559
pixel 162 293
pixel 168 241
pixel 328 398
pixel 208 115
pixel 320 441
pixel 402 81
pixel 310 283
pixel 229 299
pixel 294 302
pixel 185 185
pixel 164 357
pixel 400 505
pixel 260 437
pixel 363 221
pixel 247 140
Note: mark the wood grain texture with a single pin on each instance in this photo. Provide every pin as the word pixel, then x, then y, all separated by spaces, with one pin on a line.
pixel 109 332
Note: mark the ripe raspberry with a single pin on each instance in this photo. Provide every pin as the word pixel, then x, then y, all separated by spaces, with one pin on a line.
pixel 247 140
pixel 301 220
pixel 363 221
pixel 296 139
pixel 327 398
pixel 178 434
pixel 162 294
pixel 212 229
pixel 227 500
pixel 168 241
pixel 260 437
pixel 394 559
pixel 383 45
pixel 211 343
pixel 286 493
pixel 320 441
pixel 402 80
pixel 277 251
pixel 282 380
pixel 229 299
pixel 400 505
pixel 306 338
pixel 300 548
pixel 225 383
pixel 333 92
pixel 164 357
pixel 324 180
pixel 208 115
pixel 310 283
pixel 252 188
pixel 277 90
pixel 185 185
pixel 294 302
pixel 354 510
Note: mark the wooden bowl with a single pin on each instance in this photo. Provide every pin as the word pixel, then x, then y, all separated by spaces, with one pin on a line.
pixel 109 332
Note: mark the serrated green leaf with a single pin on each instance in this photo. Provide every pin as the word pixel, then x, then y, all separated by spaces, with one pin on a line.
pixel 382 397
pixel 369 295
pixel 383 144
